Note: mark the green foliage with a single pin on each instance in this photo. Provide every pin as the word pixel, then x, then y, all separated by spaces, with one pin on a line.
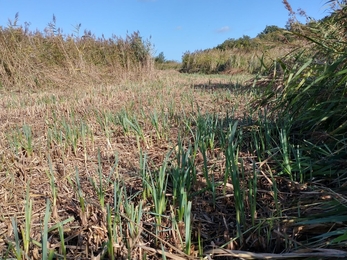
pixel 244 54
pixel 309 107
pixel 244 42
pixel 273 33
pixel 160 58
pixel 227 61
pixel 269 29
pixel 162 63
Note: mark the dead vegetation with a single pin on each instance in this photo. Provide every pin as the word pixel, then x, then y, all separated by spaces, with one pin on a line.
pixel 106 156
pixel 146 164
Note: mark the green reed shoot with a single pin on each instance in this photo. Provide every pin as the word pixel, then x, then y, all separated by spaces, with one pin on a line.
pixel 146 187
pixel 18 250
pixel 231 154
pixel 84 130
pixel 28 146
pixel 252 196
pixel 188 228
pixel 207 128
pixel 62 248
pixel 286 166
pixel 80 196
pixel 135 125
pixel 110 233
pixel 158 184
pixel 50 176
pixel 54 135
pixel 182 205
pixel 99 187
pixel 121 119
pixel 275 196
pixel 134 213
pixel 15 141
pixel 163 250
pixel 22 140
pixel 183 175
pixel 155 122
pixel 65 221
pixel 71 133
pixel 118 198
pixel 7 252
pixel 165 125
pixel 104 119
pixel 298 158
pixel 211 185
pixel 45 233
pixel 28 215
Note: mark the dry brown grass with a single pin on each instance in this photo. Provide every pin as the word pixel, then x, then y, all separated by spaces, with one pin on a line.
pixel 65 112
pixel 37 60
pixel 170 92
pixel 180 98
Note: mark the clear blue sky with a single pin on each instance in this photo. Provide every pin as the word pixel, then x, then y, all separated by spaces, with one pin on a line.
pixel 175 26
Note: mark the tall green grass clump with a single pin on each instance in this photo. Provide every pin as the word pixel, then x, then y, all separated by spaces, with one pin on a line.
pixel 307 103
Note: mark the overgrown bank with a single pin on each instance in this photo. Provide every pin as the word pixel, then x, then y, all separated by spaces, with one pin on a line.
pixel 251 55
pixel 41 59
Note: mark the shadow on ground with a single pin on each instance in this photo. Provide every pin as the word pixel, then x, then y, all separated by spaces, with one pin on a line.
pixel 236 88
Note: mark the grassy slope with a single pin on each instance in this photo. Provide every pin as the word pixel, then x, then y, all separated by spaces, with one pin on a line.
pixel 248 55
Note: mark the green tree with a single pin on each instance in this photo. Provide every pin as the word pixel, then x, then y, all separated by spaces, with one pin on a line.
pixel 269 29
pixel 160 58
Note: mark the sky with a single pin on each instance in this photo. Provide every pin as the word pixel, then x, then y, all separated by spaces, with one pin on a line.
pixel 172 26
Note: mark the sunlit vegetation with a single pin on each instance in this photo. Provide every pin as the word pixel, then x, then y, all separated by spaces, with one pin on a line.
pixel 50 58
pixel 248 55
pixel 162 63
pixel 169 165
